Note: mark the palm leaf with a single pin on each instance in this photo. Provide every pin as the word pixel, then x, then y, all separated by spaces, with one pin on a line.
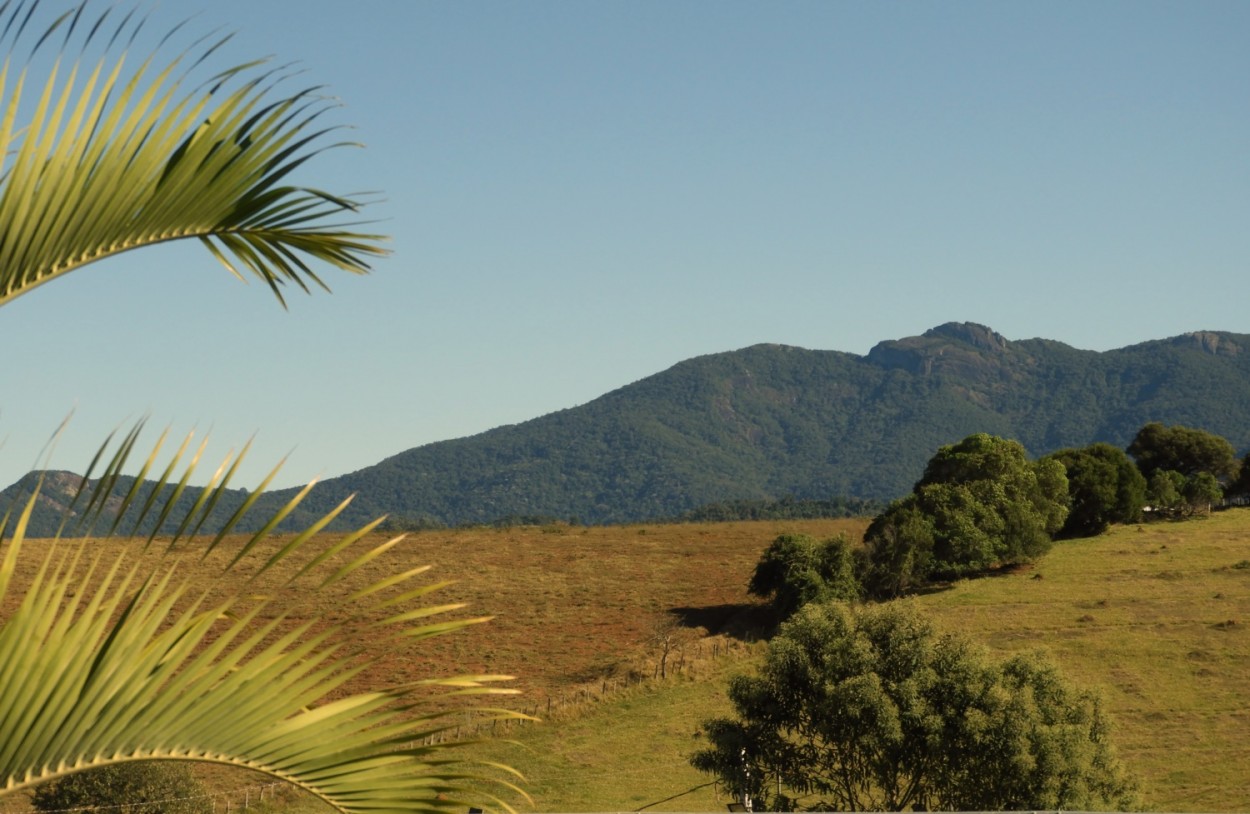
pixel 110 161
pixel 104 660
pixel 106 657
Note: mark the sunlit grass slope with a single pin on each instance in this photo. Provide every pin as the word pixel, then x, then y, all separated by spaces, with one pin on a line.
pixel 1157 617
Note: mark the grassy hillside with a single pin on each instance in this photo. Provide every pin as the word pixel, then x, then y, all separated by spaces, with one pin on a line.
pixel 1157 616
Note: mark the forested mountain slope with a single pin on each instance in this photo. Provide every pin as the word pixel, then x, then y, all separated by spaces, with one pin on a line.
pixel 772 421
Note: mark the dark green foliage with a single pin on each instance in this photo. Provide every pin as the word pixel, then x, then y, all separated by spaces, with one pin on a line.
pixel 1185 468
pixel 1184 450
pixel 869 709
pixel 145 787
pixel 1200 492
pixel 1175 495
pixel 1104 487
pixel 1241 486
pixel 770 421
pixel 418 523
pixel 981 503
pixel 796 569
pixel 900 543
pixel 1164 491
pixel 784 509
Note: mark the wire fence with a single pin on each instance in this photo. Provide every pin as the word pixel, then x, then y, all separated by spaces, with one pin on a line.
pixel 680 661
pixel 236 799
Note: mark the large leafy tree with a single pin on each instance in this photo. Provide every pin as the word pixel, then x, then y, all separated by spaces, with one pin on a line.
pixel 1241 487
pixel 870 709
pixel 104 661
pixel 1104 487
pixel 1185 450
pixel 980 503
pixel 1185 468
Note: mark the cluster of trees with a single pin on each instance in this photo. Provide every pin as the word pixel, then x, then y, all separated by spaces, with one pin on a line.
pixel 787 508
pixel 864 707
pixel 1186 470
pixel 798 569
pixel 982 504
pixel 1104 487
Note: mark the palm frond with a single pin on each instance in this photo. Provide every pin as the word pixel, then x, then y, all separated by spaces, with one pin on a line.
pixel 107 658
pixel 107 654
pixel 109 160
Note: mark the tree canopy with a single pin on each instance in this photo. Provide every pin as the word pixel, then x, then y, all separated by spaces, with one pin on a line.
pixel 797 569
pixel 980 503
pixel 1104 487
pixel 1186 469
pixel 1184 450
pixel 871 709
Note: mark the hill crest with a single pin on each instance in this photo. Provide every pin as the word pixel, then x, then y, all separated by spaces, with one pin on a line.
pixel 774 421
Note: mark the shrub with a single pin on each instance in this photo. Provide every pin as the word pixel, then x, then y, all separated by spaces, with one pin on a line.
pixel 796 569
pixel 145 787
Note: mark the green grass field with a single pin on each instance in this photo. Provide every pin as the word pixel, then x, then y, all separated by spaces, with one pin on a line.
pixel 1157 617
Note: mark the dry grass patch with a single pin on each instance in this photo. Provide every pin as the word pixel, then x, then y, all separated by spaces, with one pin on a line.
pixel 576 610
pixel 1157 617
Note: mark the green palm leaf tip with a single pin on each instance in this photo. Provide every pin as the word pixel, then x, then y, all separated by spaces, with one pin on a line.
pixel 105 158
pixel 104 660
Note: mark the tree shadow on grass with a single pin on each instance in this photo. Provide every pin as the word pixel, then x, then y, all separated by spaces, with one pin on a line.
pixel 749 621
pixel 739 620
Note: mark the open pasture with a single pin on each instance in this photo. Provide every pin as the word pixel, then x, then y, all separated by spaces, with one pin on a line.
pixel 1157 617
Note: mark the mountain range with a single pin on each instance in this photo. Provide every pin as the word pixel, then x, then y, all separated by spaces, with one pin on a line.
pixel 773 421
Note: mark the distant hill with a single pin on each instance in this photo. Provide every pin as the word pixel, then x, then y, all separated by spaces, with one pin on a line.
pixel 771 421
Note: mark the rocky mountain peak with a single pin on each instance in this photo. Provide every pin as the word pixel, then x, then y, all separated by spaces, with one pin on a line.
pixel 979 336
pixel 1209 342
pixel 964 348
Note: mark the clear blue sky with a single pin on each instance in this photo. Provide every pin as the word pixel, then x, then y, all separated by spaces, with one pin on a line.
pixel 582 194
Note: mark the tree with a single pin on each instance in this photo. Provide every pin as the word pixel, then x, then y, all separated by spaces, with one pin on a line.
pixel 980 503
pixel 1200 492
pixel 1184 450
pixel 1104 487
pixel 1175 495
pixel 869 709
pixel 796 569
pixel 1164 490
pixel 900 543
pixel 669 638
pixel 147 787
pixel 1241 486
pixel 102 664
